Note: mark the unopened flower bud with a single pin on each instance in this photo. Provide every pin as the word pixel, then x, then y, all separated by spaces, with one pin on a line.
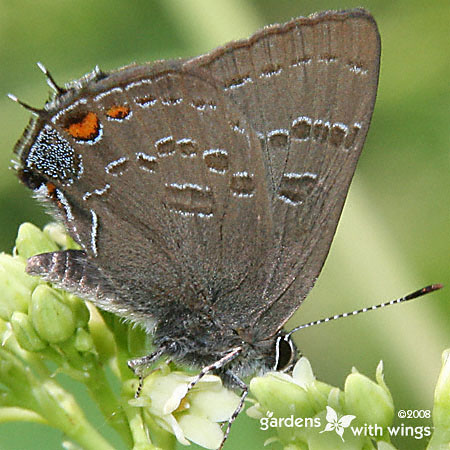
pixel 83 341
pixel 53 320
pixel 16 285
pixel 369 401
pixel 78 307
pixel 25 333
pixel 57 233
pixel 283 397
pixel 32 241
pixel 441 416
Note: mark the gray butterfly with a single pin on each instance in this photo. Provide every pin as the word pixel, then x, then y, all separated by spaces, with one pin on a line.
pixel 205 192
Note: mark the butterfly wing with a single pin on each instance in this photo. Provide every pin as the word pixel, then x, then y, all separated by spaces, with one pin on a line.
pixel 307 88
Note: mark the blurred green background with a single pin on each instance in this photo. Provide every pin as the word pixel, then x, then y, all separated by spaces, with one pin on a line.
pixel 394 235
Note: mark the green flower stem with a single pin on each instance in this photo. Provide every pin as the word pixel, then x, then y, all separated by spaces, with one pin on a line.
pixel 55 355
pixel 48 401
pixel 125 373
pixel 108 403
pixel 103 339
pixel 34 360
pixel 62 411
pixel 10 345
pixel 79 362
pixel 14 414
pixel 14 376
pixel 94 377
pixel 140 437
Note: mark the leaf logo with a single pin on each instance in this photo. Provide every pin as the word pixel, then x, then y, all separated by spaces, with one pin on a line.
pixel 336 424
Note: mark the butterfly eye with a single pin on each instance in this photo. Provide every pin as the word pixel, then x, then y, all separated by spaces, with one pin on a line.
pixel 285 353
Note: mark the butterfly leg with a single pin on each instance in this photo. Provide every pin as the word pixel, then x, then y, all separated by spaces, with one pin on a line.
pixel 214 366
pixel 138 366
pixel 234 381
pixel 240 384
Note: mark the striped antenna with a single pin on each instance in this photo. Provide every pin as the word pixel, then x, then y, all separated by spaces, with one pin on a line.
pixel 415 294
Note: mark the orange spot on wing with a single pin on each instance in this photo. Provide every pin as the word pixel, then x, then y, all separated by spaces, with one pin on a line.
pixel 118 112
pixel 51 192
pixel 85 129
pixel 51 188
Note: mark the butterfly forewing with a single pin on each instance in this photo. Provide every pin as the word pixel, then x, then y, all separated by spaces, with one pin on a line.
pixel 307 88
pixel 168 181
